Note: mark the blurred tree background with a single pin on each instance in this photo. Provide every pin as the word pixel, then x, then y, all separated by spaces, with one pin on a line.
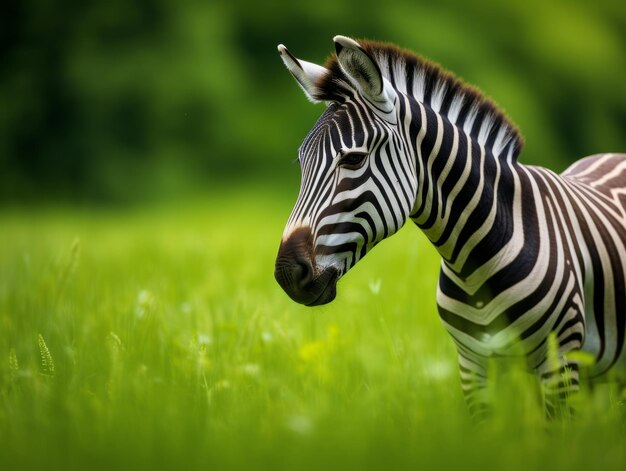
pixel 119 100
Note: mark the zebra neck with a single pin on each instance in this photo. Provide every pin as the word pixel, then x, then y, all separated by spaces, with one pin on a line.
pixel 465 197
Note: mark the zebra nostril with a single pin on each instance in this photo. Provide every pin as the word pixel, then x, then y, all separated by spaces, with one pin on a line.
pixel 295 267
pixel 294 275
pixel 304 271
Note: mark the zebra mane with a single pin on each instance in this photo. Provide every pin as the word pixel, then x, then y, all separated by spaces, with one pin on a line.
pixel 431 84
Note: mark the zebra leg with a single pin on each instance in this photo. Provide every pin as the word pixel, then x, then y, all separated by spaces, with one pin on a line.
pixel 558 383
pixel 473 372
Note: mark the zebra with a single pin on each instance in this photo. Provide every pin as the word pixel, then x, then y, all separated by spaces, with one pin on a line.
pixel 529 258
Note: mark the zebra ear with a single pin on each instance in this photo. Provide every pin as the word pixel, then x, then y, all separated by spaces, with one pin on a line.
pixel 361 68
pixel 306 73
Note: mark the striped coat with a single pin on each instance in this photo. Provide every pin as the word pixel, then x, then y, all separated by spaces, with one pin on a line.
pixel 526 254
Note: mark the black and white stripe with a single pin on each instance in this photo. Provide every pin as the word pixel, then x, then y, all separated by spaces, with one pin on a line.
pixel 527 255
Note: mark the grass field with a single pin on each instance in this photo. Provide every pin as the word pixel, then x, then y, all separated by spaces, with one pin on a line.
pixel 157 338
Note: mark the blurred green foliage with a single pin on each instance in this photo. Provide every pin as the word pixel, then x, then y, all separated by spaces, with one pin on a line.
pixel 121 100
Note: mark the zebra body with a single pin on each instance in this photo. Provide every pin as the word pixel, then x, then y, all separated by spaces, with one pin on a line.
pixel 525 252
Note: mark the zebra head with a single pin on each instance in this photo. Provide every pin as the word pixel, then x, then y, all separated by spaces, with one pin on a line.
pixel 358 177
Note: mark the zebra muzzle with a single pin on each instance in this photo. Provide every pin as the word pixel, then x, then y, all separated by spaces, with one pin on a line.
pixel 298 274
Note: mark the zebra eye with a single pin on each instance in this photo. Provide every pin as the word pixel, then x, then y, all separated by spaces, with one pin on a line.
pixel 352 160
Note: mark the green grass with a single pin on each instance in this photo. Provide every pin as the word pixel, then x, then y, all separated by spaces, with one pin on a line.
pixel 158 338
